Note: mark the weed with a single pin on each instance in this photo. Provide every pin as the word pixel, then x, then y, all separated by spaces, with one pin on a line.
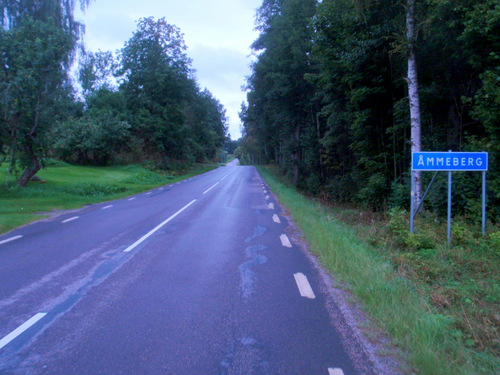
pixel 94 189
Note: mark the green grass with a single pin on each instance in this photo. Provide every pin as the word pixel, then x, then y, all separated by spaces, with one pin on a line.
pixel 68 187
pixel 431 338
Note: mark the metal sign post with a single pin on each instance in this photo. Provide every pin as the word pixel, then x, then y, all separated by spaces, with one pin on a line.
pixel 448 162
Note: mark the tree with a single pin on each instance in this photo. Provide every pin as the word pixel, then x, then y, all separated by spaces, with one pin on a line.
pixel 96 71
pixel 279 110
pixel 155 73
pixel 416 142
pixel 38 41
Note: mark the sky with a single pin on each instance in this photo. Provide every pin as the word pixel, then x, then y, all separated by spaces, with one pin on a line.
pixel 218 34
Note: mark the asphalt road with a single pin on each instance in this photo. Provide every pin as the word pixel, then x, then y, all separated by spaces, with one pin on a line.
pixel 199 277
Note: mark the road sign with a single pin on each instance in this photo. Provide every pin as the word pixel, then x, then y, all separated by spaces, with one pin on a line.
pixel 449 161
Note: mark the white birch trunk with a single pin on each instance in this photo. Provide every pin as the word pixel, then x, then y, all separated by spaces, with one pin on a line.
pixel 416 144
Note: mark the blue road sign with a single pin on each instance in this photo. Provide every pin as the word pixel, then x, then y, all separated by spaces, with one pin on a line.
pixel 449 161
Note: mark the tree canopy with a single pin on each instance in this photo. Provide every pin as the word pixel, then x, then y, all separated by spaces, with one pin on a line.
pixel 142 105
pixel 38 42
pixel 328 97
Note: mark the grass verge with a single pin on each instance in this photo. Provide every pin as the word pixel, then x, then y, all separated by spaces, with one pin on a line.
pixel 67 186
pixel 397 302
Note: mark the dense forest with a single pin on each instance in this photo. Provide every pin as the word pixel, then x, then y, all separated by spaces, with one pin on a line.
pixel 142 105
pixel 328 97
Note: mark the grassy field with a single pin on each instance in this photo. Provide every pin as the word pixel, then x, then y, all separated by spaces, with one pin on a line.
pixel 439 304
pixel 67 186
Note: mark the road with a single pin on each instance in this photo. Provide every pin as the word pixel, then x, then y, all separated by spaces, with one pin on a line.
pixel 198 277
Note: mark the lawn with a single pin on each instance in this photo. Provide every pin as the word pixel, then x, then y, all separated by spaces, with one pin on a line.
pixel 65 186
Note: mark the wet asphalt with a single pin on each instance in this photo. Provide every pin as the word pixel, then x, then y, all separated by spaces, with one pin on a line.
pixel 190 278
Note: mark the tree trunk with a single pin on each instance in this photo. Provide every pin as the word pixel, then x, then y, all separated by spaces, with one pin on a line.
pixel 296 156
pixel 416 144
pixel 32 169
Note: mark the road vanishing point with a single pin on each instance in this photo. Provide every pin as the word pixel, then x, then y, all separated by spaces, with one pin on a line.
pixel 198 277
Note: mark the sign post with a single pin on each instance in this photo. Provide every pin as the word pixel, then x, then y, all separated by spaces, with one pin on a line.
pixel 449 162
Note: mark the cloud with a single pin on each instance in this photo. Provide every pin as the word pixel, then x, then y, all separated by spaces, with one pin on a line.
pixel 223 71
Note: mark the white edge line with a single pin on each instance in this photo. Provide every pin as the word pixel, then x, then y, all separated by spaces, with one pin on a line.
pixel 304 286
pixel 210 188
pixel 285 241
pixel 10 239
pixel 335 371
pixel 19 330
pixel 70 219
pixel 147 235
pixel 131 199
pixel 105 208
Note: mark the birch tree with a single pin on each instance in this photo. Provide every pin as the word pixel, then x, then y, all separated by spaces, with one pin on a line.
pixel 38 41
pixel 412 79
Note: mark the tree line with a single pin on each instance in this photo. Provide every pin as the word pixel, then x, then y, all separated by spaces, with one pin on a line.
pixel 141 105
pixel 328 96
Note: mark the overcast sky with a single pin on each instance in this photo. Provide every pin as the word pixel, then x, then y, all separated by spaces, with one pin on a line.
pixel 218 34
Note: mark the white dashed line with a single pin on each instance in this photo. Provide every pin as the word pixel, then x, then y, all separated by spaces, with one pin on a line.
pixel 304 286
pixel 267 197
pixel 70 219
pixel 131 199
pixel 271 206
pixel 147 235
pixel 335 371
pixel 19 330
pixel 161 188
pixel 149 193
pixel 276 219
pixel 10 239
pixel 105 208
pixel 210 188
pixel 285 241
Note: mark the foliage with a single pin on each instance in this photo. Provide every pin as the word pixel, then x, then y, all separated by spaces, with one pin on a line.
pixel 142 106
pixel 167 112
pixel 352 122
pixel 38 40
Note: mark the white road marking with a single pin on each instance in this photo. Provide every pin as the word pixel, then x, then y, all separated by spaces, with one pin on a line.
pixel 303 285
pixel 271 206
pixel 70 219
pixel 161 188
pixel 149 193
pixel 223 178
pixel 151 232
pixel 131 199
pixel 267 197
pixel 105 208
pixel 276 219
pixel 335 371
pixel 285 241
pixel 10 239
pixel 210 188
pixel 19 330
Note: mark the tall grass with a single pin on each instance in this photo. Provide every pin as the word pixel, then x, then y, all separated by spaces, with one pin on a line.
pixel 393 302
